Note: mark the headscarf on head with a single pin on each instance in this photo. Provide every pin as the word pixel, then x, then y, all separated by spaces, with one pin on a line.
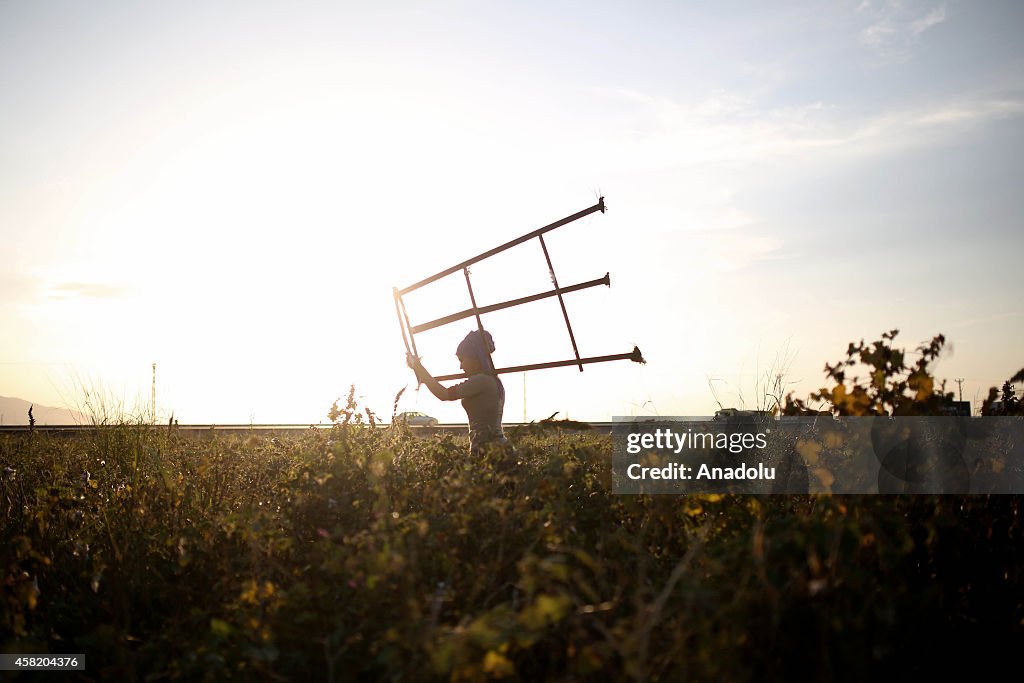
pixel 477 347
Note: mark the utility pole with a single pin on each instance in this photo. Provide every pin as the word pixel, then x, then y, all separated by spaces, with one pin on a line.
pixel 152 405
pixel 960 385
pixel 524 398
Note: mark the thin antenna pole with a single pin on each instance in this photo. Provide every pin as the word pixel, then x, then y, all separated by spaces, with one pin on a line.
pixel 412 337
pixel 479 323
pixel 561 301
pixel 401 320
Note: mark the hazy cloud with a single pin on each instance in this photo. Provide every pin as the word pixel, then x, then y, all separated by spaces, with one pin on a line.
pixel 91 290
pixel 987 319
pixel 877 34
pixel 933 18
pixel 731 253
pixel 15 288
pixel 895 27
pixel 709 152
pixel 724 129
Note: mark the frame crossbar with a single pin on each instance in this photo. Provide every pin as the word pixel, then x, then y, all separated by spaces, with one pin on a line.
pixel 409 331
pixel 633 355
pixel 508 245
pixel 462 315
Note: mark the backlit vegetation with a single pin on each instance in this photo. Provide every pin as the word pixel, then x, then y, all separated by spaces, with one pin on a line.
pixel 374 554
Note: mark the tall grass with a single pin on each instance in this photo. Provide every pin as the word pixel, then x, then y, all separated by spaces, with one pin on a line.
pixel 362 553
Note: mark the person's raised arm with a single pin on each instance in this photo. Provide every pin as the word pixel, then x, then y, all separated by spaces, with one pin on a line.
pixel 436 388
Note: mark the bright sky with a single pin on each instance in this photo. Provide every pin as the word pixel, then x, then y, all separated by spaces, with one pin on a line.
pixel 231 190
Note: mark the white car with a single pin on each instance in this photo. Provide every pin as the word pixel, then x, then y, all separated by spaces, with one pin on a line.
pixel 416 419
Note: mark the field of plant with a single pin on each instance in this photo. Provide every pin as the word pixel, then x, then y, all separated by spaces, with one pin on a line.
pixel 373 554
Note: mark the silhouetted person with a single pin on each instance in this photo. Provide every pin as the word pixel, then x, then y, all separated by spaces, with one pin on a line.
pixel 482 394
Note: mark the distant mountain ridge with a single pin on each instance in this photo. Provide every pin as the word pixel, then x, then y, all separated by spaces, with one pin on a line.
pixel 14 411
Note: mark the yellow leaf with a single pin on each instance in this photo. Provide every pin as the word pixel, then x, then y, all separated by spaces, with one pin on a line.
pixel 547 609
pixel 250 592
pixel 552 607
pixel 824 476
pixel 483 634
pixel 923 384
pixel 219 627
pixel 809 450
pixel 498 665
